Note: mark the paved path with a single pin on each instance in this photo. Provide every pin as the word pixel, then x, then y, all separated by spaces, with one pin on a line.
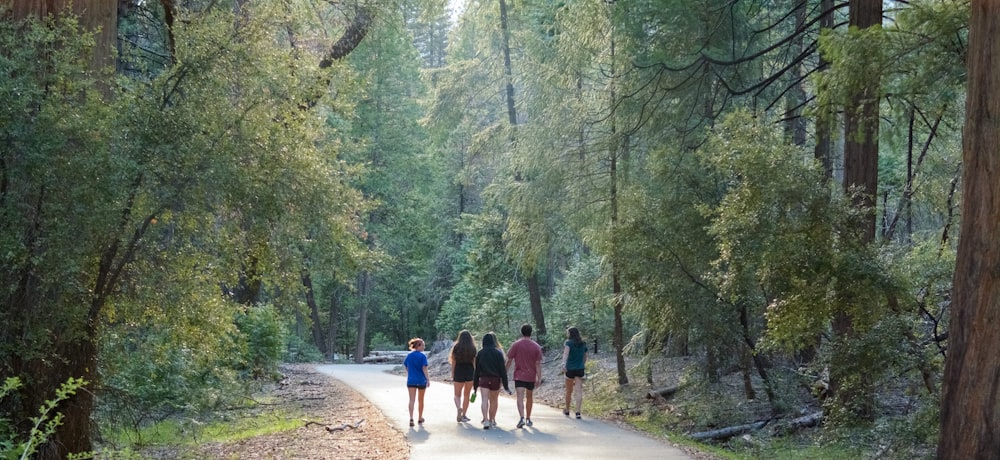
pixel 553 436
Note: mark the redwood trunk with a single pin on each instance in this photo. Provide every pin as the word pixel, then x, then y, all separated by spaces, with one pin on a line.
pixel 861 128
pixel 970 402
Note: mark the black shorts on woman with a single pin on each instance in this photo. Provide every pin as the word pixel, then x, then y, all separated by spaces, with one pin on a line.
pixel 464 372
pixel 530 386
pixel 571 373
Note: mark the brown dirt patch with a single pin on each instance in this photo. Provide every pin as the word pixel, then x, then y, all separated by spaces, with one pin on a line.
pixel 337 423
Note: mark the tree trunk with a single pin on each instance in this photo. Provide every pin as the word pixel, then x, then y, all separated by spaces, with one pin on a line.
pixel 535 297
pixel 364 293
pixel 534 294
pixel 95 15
pixel 334 320
pixel 317 328
pixel 970 407
pixel 75 355
pixel 795 124
pixel 861 127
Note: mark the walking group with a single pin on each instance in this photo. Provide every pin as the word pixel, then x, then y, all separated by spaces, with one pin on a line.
pixel 485 371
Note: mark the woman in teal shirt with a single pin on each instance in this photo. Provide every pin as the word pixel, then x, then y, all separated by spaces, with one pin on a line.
pixel 574 361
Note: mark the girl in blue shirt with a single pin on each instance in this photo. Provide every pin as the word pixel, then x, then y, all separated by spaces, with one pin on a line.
pixel 417 377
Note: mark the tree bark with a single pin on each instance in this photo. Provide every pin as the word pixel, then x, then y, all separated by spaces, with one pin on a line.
pixel 861 128
pixel 100 16
pixel 317 328
pixel 970 405
pixel 334 321
pixel 364 293
pixel 535 298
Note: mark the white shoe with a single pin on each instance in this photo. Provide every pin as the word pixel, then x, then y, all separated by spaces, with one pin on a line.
pixel 486 424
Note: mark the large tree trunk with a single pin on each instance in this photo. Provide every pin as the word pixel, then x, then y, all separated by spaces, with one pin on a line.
pixel 75 355
pixel 970 405
pixel 861 127
pixel 95 15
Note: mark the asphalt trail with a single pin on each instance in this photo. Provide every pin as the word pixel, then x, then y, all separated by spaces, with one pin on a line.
pixel 553 436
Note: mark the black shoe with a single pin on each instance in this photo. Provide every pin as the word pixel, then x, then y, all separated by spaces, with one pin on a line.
pixel 577 416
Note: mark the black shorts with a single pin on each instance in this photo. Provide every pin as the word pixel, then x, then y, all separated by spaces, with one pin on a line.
pixel 419 387
pixel 571 373
pixel 464 373
pixel 530 386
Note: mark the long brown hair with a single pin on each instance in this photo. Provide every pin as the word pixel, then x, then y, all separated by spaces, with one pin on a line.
pixel 464 350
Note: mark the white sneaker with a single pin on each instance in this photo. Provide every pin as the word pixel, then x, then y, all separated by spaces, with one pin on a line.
pixel 486 424
pixel 528 422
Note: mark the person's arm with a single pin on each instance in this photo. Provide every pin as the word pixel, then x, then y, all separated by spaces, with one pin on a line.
pixel 475 373
pixel 427 375
pixel 538 371
pixel 565 356
pixel 503 377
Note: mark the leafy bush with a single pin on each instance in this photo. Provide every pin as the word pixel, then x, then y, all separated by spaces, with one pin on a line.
pixel 42 426
pixel 262 330
pixel 299 350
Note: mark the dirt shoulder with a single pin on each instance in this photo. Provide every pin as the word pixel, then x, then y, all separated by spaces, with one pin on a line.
pixel 338 423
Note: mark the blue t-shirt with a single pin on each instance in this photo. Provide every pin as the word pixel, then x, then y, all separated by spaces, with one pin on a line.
pixel 415 363
pixel 575 359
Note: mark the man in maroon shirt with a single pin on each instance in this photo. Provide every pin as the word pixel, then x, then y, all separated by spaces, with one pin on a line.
pixel 527 358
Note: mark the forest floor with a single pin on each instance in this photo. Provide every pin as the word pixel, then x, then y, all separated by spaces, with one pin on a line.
pixel 337 423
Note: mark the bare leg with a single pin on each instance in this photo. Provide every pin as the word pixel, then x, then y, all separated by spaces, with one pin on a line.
pixel 520 401
pixel 578 397
pixel 569 394
pixel 467 390
pixel 494 396
pixel 485 404
pixel 528 402
pixel 413 397
pixel 458 399
pixel 420 398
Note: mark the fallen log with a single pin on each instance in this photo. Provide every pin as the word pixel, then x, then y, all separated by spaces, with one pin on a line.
pixel 806 421
pixel 662 392
pixel 728 432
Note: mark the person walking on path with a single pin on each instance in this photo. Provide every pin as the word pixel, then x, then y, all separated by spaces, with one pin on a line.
pixel 574 361
pixel 490 374
pixel 463 369
pixel 526 355
pixel 417 377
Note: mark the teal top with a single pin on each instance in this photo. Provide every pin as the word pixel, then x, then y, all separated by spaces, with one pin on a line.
pixel 577 351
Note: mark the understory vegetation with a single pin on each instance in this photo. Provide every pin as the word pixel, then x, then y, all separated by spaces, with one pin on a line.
pixel 753 204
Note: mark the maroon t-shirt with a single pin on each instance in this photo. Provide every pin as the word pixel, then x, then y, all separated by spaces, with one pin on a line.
pixel 526 355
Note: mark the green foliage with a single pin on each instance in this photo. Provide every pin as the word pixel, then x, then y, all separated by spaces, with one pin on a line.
pixel 580 301
pixel 265 336
pixel 298 350
pixel 43 426
pixel 381 342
